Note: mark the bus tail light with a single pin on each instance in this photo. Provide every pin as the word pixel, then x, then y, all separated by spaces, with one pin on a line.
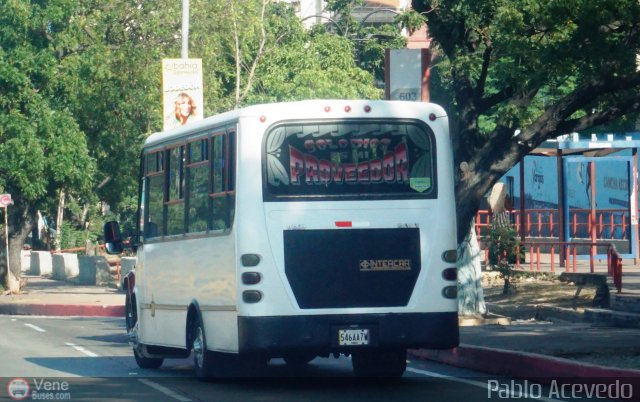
pixel 450 256
pixel 450 274
pixel 450 292
pixel 251 296
pixel 250 260
pixel 251 278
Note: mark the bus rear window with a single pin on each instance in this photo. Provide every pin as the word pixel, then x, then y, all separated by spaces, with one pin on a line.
pixel 350 159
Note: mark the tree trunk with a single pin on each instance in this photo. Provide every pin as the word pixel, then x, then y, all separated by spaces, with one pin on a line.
pixel 59 218
pixel 470 294
pixel 21 221
pixel 469 194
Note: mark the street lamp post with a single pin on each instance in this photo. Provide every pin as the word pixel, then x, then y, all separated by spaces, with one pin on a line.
pixel 185 29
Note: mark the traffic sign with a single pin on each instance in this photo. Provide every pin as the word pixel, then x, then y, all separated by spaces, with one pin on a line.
pixel 5 200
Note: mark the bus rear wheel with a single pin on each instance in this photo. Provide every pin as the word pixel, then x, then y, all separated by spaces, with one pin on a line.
pixel 131 316
pixel 202 358
pixel 390 363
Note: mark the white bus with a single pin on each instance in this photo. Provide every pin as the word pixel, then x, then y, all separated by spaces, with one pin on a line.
pixel 296 230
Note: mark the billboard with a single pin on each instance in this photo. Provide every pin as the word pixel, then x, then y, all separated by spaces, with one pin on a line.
pixel 182 92
pixel 407 74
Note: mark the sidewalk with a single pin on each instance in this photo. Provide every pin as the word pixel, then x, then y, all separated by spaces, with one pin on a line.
pixel 58 298
pixel 544 350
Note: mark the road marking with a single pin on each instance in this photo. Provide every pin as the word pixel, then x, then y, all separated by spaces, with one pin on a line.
pixel 35 327
pixel 480 384
pixel 165 391
pixel 81 349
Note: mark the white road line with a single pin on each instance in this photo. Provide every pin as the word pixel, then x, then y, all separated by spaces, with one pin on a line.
pixel 479 384
pixel 35 327
pixel 81 349
pixel 165 390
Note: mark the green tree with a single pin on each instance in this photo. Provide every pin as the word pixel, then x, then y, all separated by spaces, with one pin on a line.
pixel 113 83
pixel 543 68
pixel 42 149
pixel 259 51
pixel 504 250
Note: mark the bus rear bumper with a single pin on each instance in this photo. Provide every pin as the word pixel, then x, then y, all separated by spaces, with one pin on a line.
pixel 319 333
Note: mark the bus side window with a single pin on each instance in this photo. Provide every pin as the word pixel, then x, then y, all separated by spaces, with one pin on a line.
pixel 231 177
pixel 218 198
pixel 198 186
pixel 154 218
pixel 175 202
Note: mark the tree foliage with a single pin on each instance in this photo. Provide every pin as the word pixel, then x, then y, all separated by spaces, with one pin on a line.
pixel 543 68
pixel 42 149
pixel 255 57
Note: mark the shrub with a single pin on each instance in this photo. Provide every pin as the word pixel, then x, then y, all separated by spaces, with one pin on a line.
pixel 504 247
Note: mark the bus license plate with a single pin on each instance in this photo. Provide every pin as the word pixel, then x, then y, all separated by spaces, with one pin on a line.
pixel 350 337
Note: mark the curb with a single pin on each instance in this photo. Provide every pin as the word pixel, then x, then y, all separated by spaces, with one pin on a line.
pixel 66 310
pixel 541 368
pixel 539 311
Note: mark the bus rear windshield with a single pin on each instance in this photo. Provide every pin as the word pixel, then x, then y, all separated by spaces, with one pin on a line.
pixel 350 159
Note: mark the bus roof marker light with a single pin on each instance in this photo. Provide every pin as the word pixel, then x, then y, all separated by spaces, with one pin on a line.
pixel 250 260
pixel 263 119
pixel 327 109
pixel 347 108
pixel 367 109
pixel 432 117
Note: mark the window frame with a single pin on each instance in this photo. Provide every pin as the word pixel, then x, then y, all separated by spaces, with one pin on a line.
pixel 432 193
pixel 189 165
pixel 147 175
pixel 228 132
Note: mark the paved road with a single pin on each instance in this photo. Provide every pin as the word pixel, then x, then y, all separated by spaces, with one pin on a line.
pixel 88 359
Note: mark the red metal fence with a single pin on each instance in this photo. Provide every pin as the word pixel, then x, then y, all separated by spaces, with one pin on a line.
pixel 543 222
pixel 614 267
pixel 568 250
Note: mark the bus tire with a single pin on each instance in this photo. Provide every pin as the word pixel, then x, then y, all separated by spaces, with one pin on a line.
pixel 202 358
pixel 147 362
pixel 131 314
pixel 390 363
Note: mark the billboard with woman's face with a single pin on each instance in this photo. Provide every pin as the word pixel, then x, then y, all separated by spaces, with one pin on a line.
pixel 182 91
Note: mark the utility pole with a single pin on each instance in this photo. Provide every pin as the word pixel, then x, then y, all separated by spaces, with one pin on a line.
pixel 5 201
pixel 185 29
